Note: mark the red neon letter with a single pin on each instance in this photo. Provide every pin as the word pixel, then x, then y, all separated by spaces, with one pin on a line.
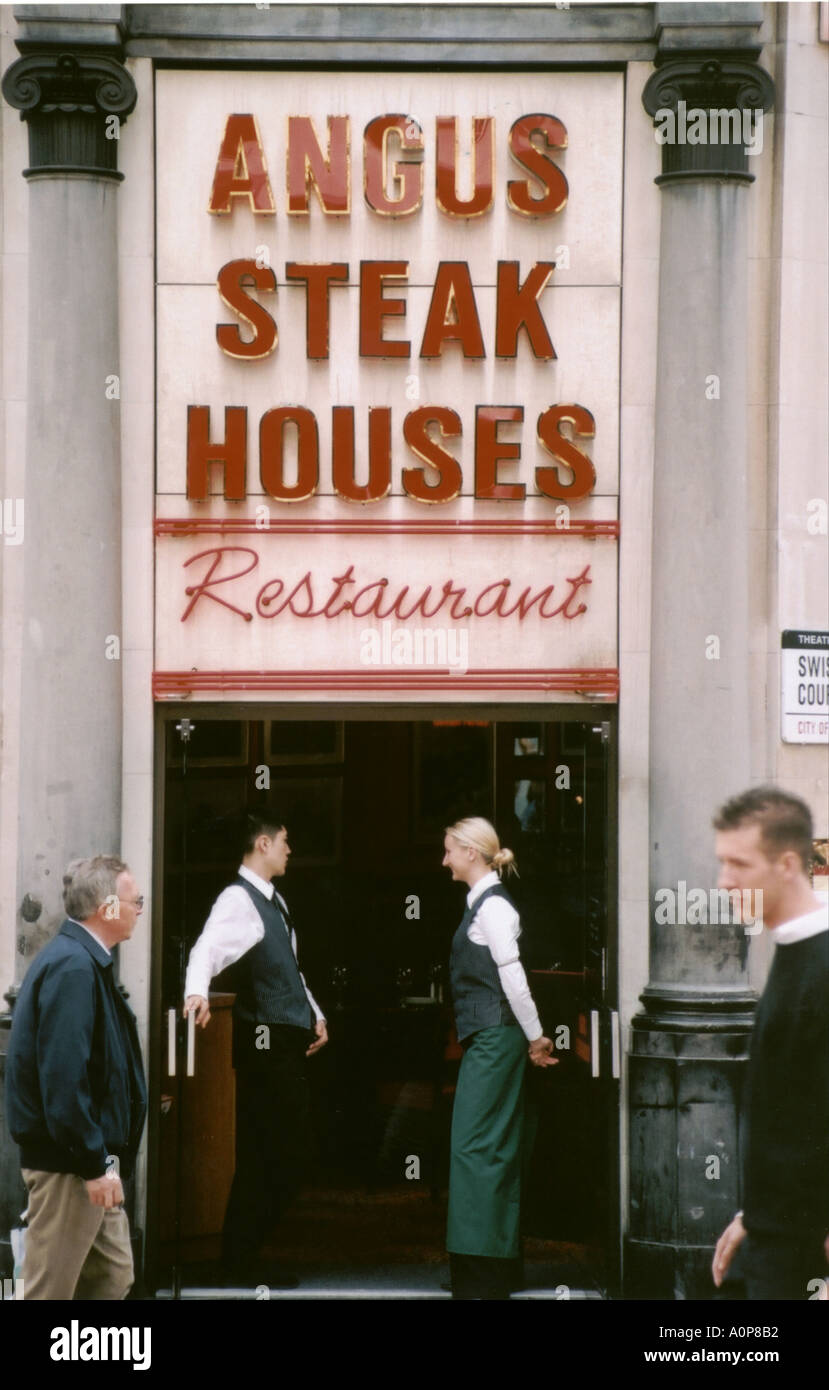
pixel 550 437
pixel 241 171
pixel 230 452
pixel 233 292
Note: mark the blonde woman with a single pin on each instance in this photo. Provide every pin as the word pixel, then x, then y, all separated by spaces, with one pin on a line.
pixel 498 1025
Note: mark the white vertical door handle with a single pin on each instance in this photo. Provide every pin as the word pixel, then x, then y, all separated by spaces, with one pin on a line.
pixel 595 1061
pixel 191 1043
pixel 171 1042
pixel 615 1051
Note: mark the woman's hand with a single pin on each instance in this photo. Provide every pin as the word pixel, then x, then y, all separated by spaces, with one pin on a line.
pixel 540 1053
pixel 727 1247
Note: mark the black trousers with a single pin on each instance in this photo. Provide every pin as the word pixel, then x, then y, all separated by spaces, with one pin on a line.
pixel 777 1267
pixel 272 1138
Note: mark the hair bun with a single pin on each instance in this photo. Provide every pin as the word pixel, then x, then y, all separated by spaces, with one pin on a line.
pixel 504 859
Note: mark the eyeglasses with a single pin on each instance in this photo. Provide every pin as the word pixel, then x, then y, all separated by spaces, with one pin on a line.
pixel 136 902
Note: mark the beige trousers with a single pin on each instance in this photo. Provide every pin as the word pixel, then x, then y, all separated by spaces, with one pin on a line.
pixel 73 1249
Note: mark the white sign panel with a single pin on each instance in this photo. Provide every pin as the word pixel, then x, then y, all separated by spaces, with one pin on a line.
pixel 804 663
pixel 453 602
pixel 388 322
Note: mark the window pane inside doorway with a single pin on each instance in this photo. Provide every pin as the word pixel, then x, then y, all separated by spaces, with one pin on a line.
pixel 453 775
pixel 308 741
pixel 212 743
pixel 529 806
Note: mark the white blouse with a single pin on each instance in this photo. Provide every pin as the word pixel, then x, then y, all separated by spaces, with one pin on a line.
pixel 497 925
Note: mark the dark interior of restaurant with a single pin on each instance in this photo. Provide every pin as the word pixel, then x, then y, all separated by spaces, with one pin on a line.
pixel 365 804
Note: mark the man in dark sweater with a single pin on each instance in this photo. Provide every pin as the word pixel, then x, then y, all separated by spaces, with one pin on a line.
pixel 75 1092
pixel 781 1237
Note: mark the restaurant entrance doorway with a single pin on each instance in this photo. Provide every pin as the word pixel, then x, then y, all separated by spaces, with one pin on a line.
pixel 365 801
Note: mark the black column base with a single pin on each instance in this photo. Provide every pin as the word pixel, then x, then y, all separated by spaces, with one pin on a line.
pixel 686 1078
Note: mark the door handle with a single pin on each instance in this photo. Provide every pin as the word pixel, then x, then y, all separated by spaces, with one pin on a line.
pixel 595 1042
pixel 615 1057
pixel 191 1043
pixel 171 1042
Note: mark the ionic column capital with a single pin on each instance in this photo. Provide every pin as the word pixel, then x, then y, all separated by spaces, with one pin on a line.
pixel 706 112
pixel 74 104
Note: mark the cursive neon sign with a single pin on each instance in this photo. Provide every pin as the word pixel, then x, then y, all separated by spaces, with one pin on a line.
pixel 317 595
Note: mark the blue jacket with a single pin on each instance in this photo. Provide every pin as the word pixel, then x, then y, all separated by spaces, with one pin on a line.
pixel 75 1089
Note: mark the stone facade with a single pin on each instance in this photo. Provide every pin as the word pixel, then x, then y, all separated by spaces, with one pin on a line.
pixel 723 434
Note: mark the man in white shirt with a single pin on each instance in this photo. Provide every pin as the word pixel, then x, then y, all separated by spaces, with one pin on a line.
pixel 781 1237
pixel 276 1025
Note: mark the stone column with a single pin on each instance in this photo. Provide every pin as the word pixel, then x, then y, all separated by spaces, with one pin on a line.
pixel 75 102
pixel 690 1043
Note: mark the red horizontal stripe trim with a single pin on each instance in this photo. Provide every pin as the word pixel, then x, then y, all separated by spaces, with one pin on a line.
pixel 239 526
pixel 585 681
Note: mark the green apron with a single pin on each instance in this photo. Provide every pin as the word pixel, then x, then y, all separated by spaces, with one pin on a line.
pixel 487 1144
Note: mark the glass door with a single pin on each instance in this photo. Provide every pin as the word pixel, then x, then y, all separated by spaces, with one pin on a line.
pixel 552 793
pixel 208 766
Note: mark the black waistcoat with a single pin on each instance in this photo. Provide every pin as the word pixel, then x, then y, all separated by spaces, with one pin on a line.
pixel 268 987
pixel 479 998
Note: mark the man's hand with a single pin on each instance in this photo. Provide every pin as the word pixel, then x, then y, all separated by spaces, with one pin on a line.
pixel 322 1037
pixel 106 1191
pixel 540 1052
pixel 196 1003
pixel 727 1247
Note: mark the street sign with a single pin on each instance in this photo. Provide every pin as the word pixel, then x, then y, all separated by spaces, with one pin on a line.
pixel 804 703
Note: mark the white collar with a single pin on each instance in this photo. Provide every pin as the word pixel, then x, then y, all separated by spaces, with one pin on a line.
pixel 801 928
pixel 261 883
pixel 488 881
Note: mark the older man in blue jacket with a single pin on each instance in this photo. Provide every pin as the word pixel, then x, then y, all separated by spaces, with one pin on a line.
pixel 76 1095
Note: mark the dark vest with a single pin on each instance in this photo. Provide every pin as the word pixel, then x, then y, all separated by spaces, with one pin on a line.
pixel 479 998
pixel 268 987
